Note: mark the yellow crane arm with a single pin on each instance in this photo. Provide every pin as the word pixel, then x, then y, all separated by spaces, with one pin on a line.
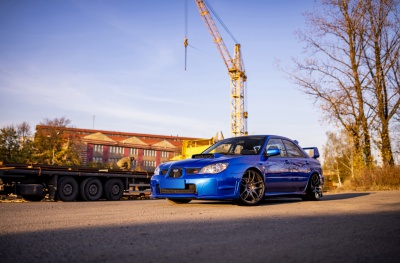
pixel 216 36
pixel 236 73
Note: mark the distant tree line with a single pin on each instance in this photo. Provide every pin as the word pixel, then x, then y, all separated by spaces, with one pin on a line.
pixel 52 145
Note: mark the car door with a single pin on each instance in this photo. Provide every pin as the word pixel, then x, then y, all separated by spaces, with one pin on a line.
pixel 277 169
pixel 300 167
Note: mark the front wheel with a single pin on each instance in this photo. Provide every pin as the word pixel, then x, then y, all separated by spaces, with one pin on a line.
pixel 252 188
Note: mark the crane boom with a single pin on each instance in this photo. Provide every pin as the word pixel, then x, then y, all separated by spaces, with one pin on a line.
pixel 235 70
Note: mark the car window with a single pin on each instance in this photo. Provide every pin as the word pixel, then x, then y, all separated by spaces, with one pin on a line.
pixel 292 149
pixel 221 148
pixel 249 145
pixel 276 143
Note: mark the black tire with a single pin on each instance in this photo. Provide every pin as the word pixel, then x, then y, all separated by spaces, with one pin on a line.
pixel 67 189
pixel 33 198
pixel 113 189
pixel 179 201
pixel 91 189
pixel 82 185
pixel 313 191
pixel 252 189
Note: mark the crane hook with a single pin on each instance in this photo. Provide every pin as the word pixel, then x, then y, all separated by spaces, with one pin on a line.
pixel 185 43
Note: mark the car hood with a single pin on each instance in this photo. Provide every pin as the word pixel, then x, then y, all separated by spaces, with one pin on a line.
pixel 198 160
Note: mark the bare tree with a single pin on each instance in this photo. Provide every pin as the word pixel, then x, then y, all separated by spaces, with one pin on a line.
pixel 343 47
pixel 382 58
pixel 332 73
pixel 24 131
pixel 339 156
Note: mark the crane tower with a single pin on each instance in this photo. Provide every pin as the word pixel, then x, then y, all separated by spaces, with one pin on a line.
pixel 235 70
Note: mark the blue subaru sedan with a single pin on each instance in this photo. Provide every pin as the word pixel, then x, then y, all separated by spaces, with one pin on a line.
pixel 242 169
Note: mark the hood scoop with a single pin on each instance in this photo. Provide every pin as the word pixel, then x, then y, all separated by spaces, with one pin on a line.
pixel 202 156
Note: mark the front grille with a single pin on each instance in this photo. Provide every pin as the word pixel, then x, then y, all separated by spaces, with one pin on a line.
pixel 189 189
pixel 175 172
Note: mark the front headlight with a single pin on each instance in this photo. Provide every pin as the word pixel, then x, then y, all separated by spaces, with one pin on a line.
pixel 213 168
pixel 157 170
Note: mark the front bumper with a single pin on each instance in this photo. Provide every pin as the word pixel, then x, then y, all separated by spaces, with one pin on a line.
pixel 195 187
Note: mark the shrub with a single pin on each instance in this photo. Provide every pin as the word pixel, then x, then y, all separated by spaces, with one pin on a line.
pixel 375 179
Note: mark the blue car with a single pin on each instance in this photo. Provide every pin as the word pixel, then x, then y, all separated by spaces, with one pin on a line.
pixel 242 169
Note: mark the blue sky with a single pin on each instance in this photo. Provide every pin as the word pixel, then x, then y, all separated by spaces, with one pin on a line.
pixel 122 61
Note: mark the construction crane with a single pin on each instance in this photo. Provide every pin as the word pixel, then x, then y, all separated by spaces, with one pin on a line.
pixel 235 70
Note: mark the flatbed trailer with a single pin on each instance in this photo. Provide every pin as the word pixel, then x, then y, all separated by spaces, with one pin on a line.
pixel 34 181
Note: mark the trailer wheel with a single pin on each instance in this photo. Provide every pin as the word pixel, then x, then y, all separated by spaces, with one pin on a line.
pixel 113 189
pixel 91 189
pixel 67 189
pixel 82 185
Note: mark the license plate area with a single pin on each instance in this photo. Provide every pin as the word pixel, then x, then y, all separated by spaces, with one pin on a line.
pixel 171 183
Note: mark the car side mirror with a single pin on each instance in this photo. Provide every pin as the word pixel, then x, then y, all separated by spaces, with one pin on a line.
pixel 273 152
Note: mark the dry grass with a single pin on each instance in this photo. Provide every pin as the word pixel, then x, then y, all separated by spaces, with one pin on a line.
pixel 376 179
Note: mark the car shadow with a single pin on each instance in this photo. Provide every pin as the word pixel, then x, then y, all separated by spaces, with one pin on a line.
pixel 325 198
pixel 340 196
pixel 280 200
pixel 272 200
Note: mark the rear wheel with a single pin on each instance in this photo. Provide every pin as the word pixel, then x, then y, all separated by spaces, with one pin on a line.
pixel 313 191
pixel 179 201
pixel 252 188
pixel 67 189
pixel 113 189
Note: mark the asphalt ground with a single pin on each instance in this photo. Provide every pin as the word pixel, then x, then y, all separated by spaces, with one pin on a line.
pixel 342 227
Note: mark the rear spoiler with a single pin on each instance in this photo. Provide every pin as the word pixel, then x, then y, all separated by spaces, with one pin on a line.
pixel 312 152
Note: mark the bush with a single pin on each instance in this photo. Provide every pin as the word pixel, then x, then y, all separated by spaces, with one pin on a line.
pixel 375 179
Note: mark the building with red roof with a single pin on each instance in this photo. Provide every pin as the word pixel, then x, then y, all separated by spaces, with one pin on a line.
pixel 149 150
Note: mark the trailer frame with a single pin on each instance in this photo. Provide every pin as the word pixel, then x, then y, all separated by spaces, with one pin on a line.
pixel 66 183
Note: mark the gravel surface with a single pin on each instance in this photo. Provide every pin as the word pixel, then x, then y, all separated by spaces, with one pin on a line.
pixel 345 227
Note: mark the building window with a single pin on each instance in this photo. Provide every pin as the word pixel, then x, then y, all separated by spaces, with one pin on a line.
pixel 97 159
pixel 113 160
pixel 164 154
pixel 149 163
pixel 149 153
pixel 133 151
pixel 116 149
pixel 98 148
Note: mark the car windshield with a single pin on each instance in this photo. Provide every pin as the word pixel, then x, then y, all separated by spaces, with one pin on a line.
pixel 249 145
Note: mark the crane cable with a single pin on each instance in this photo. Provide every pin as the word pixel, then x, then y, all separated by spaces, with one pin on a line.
pixel 185 41
pixel 220 21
